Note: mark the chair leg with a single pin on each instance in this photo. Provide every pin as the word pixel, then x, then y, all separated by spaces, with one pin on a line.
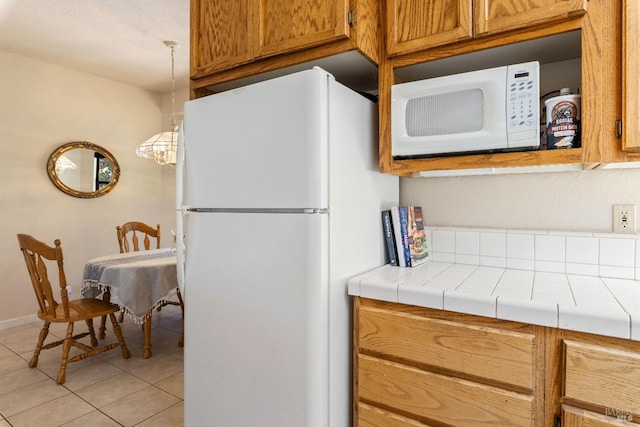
pixel 103 327
pixel 66 347
pixel 118 331
pixel 36 353
pixel 181 302
pixel 181 341
pixel 92 332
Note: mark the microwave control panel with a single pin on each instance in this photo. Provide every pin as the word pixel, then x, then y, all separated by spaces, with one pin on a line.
pixel 523 105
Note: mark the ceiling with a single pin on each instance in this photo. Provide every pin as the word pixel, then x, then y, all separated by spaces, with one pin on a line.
pixel 121 40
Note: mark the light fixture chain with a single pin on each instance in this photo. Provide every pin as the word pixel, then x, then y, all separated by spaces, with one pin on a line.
pixel 173 92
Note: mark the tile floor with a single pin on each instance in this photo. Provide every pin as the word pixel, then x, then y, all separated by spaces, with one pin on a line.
pixel 105 390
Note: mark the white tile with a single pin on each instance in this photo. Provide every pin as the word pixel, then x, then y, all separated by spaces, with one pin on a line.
pixel 536 313
pixel 617 272
pixel 617 252
pixel 520 246
pixel 516 294
pixel 467 243
pixel 461 302
pixel 467 259
pixel 521 264
pixel 549 248
pixel 518 277
pixel 584 269
pixel 601 322
pixel 353 287
pixel 553 297
pixel 449 257
pixel 421 297
pixel 493 244
pixel 550 266
pixel 582 250
pixel 444 241
pixel 491 261
pixel 379 291
pixel 554 278
pixel 484 277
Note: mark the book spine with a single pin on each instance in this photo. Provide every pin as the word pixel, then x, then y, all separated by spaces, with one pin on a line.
pixel 404 230
pixel 395 219
pixel 387 228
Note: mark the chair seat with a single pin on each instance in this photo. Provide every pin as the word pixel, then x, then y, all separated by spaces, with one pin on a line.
pixel 80 309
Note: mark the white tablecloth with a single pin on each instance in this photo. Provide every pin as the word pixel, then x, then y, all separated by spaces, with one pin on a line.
pixel 138 281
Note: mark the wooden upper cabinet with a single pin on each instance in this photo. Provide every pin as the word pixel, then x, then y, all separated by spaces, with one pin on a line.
pixel 414 25
pixel 496 16
pixel 221 34
pixel 630 84
pixel 227 35
pixel 289 25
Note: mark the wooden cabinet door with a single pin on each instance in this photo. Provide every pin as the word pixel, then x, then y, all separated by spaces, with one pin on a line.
pixel 222 35
pixel 289 25
pixel 577 417
pixel 495 16
pixel 414 25
pixel 630 84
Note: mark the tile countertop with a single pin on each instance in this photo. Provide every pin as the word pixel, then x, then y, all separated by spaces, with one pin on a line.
pixel 593 304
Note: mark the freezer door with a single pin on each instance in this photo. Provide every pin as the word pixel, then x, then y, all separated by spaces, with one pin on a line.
pixel 259 146
pixel 256 340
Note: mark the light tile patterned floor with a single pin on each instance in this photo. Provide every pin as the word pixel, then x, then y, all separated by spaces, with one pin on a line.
pixel 105 390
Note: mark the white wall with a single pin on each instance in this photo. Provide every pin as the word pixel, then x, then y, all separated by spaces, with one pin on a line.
pixel 42 107
pixel 561 201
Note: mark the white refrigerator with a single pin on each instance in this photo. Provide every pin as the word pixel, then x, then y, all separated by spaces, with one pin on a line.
pixel 279 199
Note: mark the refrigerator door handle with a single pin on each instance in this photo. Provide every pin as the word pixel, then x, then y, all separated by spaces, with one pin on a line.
pixel 261 210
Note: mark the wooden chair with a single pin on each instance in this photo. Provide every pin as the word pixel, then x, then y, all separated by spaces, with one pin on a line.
pixel 135 231
pixel 129 235
pixel 37 255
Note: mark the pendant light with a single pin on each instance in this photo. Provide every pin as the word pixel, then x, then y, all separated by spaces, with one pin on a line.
pixel 162 147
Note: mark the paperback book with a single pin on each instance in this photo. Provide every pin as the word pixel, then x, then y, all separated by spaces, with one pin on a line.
pixel 405 237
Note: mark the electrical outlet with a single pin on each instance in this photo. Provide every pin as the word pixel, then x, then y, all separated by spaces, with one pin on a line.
pixel 624 218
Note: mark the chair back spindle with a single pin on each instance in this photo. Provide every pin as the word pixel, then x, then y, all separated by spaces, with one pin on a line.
pixel 129 235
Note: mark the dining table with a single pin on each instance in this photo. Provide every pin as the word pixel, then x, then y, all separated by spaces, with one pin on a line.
pixel 138 282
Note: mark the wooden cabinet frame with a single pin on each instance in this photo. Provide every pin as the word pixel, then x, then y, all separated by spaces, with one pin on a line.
pixel 601 101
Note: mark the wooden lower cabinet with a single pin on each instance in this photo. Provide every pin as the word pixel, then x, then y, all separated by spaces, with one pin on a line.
pixel 415 366
pixel 577 417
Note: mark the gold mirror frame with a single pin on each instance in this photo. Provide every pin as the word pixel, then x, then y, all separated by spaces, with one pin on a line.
pixel 51 169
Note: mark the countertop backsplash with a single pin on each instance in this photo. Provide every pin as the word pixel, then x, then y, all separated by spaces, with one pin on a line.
pixel 582 253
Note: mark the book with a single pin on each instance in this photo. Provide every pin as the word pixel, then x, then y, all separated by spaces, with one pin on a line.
pixel 417 236
pixel 389 238
pixel 404 231
pixel 397 235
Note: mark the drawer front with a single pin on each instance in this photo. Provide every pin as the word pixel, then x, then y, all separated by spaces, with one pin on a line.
pixel 606 377
pixel 577 417
pixel 490 353
pixel 441 398
pixel 370 416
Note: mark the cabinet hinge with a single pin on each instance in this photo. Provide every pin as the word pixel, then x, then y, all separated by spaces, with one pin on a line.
pixel 618 128
pixel 557 421
pixel 350 18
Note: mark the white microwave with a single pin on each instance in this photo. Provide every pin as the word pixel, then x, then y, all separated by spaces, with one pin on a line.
pixel 496 109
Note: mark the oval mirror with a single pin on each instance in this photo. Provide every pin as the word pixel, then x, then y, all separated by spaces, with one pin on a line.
pixel 82 169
